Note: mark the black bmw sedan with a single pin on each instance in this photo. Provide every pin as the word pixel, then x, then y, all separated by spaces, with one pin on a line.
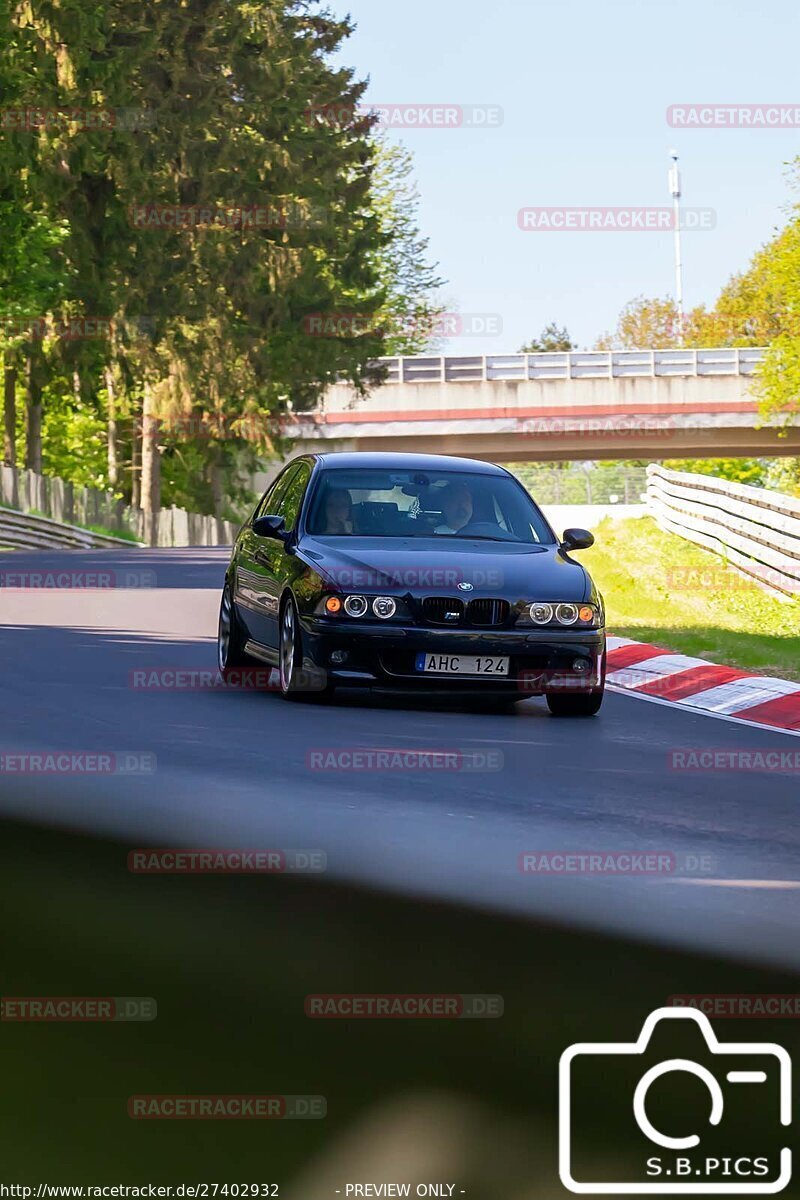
pixel 412 571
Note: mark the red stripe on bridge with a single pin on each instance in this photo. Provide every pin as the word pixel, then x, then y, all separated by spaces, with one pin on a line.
pixel 373 417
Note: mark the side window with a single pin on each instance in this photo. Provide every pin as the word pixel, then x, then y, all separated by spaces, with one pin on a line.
pixel 272 497
pixel 292 500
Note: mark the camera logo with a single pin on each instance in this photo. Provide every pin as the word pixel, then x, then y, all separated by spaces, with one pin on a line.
pixel 736 1098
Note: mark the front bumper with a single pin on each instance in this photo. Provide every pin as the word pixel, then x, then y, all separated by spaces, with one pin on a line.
pixel 541 660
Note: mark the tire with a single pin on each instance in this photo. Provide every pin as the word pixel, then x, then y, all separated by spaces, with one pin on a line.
pixel 562 705
pixel 293 685
pixel 230 637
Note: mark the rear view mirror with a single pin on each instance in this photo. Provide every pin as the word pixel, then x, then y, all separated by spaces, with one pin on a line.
pixel 577 539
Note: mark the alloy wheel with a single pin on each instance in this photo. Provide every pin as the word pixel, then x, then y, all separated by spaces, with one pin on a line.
pixel 224 635
pixel 288 648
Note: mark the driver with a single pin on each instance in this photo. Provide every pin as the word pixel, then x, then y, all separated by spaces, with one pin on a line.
pixel 456 507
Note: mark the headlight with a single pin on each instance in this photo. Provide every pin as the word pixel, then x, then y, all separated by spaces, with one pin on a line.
pixel 384 607
pixel 355 606
pixel 541 614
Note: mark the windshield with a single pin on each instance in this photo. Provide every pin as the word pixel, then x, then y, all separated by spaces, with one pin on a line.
pixel 429 504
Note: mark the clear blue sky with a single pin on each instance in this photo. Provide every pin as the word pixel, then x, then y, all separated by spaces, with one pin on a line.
pixel 584 87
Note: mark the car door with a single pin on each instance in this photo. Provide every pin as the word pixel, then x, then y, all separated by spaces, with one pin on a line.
pixel 278 562
pixel 254 592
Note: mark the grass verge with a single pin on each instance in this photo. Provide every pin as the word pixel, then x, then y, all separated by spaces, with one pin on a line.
pixel 124 534
pixel 660 588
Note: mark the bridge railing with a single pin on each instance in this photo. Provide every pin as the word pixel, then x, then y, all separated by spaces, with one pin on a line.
pixel 756 530
pixel 584 364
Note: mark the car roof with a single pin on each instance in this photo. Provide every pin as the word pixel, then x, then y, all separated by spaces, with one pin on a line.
pixel 407 462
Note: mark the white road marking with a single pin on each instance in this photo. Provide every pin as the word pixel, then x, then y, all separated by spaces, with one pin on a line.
pixel 759 884
pixel 740 694
pixel 651 669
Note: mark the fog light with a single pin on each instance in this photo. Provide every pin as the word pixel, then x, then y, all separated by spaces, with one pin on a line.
pixel 338 657
pixel 542 614
pixel 567 614
pixel 333 604
pixel 581 666
pixel 384 607
pixel 355 606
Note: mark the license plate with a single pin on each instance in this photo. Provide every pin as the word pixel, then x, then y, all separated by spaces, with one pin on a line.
pixel 462 664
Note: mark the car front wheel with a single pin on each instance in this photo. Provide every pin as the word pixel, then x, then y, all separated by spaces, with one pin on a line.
pixel 296 683
pixel 289 650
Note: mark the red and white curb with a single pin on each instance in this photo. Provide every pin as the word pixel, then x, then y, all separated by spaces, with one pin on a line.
pixel 656 674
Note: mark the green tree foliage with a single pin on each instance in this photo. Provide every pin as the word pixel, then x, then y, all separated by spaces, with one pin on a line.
pixel 208 216
pixel 738 470
pixel 408 280
pixel 759 306
pixel 552 337
pixel 783 475
pixel 644 324
pixel 32 282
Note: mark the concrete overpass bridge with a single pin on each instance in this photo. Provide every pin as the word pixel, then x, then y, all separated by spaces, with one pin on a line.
pixel 653 404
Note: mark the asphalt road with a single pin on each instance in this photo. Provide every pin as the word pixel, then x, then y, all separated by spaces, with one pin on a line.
pixel 232 769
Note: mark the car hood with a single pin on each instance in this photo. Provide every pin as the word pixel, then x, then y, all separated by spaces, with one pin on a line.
pixel 427 566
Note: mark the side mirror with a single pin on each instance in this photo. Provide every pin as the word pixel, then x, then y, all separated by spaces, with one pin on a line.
pixel 270 527
pixel 577 539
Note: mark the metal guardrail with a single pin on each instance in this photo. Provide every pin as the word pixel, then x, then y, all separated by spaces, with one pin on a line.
pixel 26 532
pixel 757 531
pixel 589 364
pixel 29 494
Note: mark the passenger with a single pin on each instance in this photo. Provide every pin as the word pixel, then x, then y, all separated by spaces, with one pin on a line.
pixel 457 508
pixel 338 512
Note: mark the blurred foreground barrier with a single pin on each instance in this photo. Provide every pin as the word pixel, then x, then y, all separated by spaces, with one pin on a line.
pixel 230 962
pixel 757 531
